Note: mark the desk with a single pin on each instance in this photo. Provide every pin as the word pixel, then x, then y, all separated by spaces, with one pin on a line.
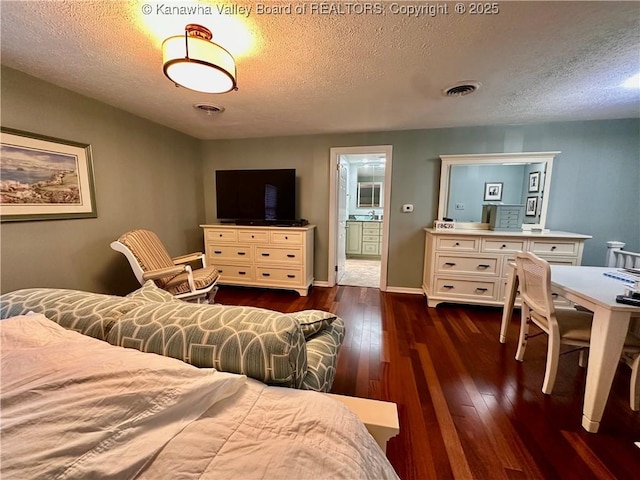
pixel 589 287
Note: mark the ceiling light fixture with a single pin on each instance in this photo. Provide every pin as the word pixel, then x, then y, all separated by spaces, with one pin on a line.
pixel 633 82
pixel 193 61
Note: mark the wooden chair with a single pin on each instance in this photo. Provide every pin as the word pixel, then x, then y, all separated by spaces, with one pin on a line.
pixel 563 326
pixel 150 260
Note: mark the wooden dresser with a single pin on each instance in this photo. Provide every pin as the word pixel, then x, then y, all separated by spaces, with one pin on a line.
pixel 267 257
pixel 471 266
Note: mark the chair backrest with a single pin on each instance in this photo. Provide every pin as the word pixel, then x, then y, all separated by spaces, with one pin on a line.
pixel 148 250
pixel 534 276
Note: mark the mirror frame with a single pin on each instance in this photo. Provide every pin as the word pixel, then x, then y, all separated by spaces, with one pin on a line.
pixel 491 159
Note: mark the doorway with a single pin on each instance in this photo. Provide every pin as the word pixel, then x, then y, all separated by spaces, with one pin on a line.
pixel 360 192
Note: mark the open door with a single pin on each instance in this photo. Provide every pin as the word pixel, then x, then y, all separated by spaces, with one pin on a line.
pixel 341 179
pixel 341 187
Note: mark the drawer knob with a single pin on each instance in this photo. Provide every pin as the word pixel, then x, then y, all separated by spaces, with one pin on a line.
pixel 457 244
pixel 242 273
pixel 483 265
pixel 553 247
pixel 253 236
pixel 449 264
pixel 291 255
pixel 481 289
pixel 504 245
pixel 447 286
pixel 286 238
pixel 291 276
pixel 241 253
pixel 220 235
pixel 220 271
pixel 266 274
pixel 217 252
pixel 265 254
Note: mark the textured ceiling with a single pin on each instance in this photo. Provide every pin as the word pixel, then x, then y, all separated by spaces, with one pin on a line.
pixel 319 72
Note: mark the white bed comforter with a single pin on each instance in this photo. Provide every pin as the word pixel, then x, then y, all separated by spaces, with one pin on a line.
pixel 76 407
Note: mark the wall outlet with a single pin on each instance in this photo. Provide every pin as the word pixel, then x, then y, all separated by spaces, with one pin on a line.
pixel 459 206
pixel 407 208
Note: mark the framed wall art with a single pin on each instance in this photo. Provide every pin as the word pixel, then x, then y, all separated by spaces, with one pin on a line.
pixel 493 191
pixel 44 178
pixel 531 208
pixel 534 182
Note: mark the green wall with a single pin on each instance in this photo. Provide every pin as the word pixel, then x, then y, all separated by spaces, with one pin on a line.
pixel 145 176
pixel 150 176
pixel 595 187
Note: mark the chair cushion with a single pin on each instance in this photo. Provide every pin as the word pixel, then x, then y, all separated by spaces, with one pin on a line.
pixel 148 250
pixel 202 278
pixel 574 324
pixel 150 292
pixel 313 321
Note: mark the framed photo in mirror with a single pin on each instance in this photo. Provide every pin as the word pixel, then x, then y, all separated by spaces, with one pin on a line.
pixel 534 182
pixel 493 191
pixel 531 209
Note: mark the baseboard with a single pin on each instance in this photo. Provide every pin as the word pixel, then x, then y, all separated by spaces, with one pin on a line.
pixel 409 290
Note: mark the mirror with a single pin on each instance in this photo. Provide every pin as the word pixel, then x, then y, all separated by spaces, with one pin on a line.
pixel 370 179
pixel 469 183
pixel 369 194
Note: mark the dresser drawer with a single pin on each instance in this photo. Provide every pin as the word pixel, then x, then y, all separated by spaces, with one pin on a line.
pixel 466 288
pixel 371 249
pixel 370 238
pixel 286 238
pixel 253 236
pixel 549 247
pixel 220 235
pixel 458 244
pixel 235 273
pixel 291 255
pixel 371 231
pixel 497 245
pixel 488 266
pixel 238 253
pixel 269 275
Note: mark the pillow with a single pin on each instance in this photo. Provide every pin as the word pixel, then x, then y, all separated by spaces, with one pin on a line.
pixel 313 321
pixel 150 292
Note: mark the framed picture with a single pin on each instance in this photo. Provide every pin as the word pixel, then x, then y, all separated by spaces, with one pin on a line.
pixel 493 191
pixel 534 182
pixel 531 209
pixel 44 178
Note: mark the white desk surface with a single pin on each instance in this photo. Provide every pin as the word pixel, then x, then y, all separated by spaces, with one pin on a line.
pixel 591 284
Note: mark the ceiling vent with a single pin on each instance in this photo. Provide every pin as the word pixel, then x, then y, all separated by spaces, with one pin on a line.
pixel 461 89
pixel 208 108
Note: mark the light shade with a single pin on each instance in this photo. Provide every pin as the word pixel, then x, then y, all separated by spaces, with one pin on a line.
pixel 194 62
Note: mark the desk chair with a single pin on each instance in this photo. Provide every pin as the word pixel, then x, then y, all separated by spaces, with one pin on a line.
pixel 563 326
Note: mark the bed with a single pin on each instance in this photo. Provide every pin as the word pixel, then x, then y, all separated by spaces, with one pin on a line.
pixel 77 407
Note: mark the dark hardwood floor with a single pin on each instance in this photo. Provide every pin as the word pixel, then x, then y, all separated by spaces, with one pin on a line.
pixel 467 409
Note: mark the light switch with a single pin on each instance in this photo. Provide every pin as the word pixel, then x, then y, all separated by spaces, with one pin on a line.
pixel 407 207
pixel 459 206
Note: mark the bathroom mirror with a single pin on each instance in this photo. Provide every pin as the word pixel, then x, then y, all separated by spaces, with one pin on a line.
pixel 370 190
pixel 469 182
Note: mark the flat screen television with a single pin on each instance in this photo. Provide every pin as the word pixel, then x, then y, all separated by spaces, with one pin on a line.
pixel 266 197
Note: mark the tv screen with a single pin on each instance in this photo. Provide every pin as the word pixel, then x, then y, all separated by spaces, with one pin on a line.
pixel 267 196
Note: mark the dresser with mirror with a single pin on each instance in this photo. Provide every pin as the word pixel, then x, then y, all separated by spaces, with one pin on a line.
pixel 470 263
